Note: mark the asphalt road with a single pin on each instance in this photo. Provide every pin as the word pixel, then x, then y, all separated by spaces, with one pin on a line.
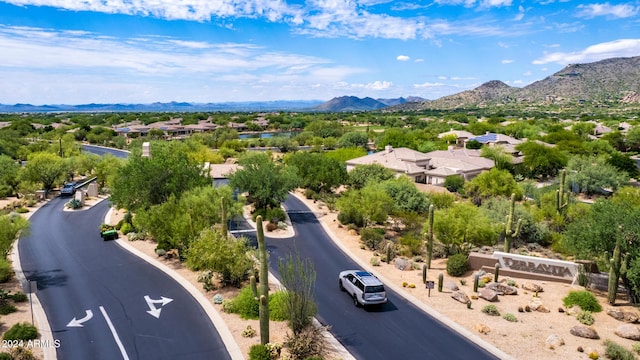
pixel 397 330
pixel 83 277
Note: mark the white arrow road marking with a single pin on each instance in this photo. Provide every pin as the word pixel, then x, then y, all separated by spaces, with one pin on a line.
pixel 115 334
pixel 79 322
pixel 153 311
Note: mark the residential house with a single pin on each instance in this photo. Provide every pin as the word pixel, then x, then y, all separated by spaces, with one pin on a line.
pixel 461 136
pixel 431 168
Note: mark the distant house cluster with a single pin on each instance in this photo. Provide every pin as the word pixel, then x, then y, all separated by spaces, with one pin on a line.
pixel 173 128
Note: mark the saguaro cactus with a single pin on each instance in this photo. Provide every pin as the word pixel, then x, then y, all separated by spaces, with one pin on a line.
pixel 509 232
pixel 614 274
pixel 476 281
pixel 424 273
pixel 440 282
pixel 496 272
pixel 264 284
pixel 223 218
pixel 430 236
pixel 562 199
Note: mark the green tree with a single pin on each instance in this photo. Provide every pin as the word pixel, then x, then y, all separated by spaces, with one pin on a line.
pixel 360 175
pixel 344 154
pixel 9 175
pixel 10 227
pixel 591 175
pixel 541 160
pixel 371 204
pixel 142 182
pixel 267 183
pixel 624 163
pixel 453 183
pixel 317 171
pixel 492 183
pixel 44 168
pixel 406 196
pixel 354 139
pixel 463 224
pixel 106 169
pixel 502 159
pixel 226 256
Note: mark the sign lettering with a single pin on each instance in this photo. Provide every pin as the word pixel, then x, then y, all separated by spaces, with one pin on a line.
pixel 559 268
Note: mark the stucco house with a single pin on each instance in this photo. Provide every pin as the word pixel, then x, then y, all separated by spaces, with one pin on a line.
pixel 431 168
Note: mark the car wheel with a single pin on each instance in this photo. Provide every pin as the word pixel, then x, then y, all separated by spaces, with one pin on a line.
pixel 341 287
pixel 355 300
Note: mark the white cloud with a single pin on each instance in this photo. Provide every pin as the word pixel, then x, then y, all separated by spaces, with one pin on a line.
pixel 418 60
pixel 427 85
pixel 506 61
pixel 527 73
pixel 606 9
pixel 403 58
pixel 616 48
pixel 45 66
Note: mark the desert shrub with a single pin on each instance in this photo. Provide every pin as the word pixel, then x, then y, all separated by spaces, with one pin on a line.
pixel 6 309
pixel 74 204
pixel 585 317
pixel 19 297
pixel 453 182
pixel 308 193
pixel 372 237
pixel 636 348
pixel 244 305
pixel 349 216
pixel 248 332
pixel 22 210
pixel 583 298
pixel 161 252
pixel 22 353
pixel 491 310
pixel 275 349
pixel 412 244
pixel 510 317
pixel 259 352
pixel 375 261
pixel 5 356
pixel 21 331
pixel 126 228
pixel 457 265
pixel 308 343
pixel 278 306
pixel 271 226
pixel 615 351
pixel 275 215
pixel 512 282
pixel 6 271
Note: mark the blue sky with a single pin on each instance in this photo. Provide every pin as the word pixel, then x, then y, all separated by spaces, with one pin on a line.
pixel 144 51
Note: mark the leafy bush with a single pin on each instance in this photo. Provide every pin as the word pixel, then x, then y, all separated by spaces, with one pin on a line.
pixel 457 265
pixel 375 261
pixel 126 228
pixel 5 356
pixel 259 352
pixel 278 306
pixel 244 305
pixel 510 317
pixel 6 271
pixel 453 182
pixel 19 297
pixel 583 298
pixel 491 310
pixel 615 351
pixel 248 332
pixel 412 244
pixel 372 237
pixel 636 348
pixel 7 309
pixel 74 204
pixel 21 331
pixel 585 317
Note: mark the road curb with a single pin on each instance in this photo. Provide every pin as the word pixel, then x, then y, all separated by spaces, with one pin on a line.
pixel 40 316
pixel 225 334
pixel 424 307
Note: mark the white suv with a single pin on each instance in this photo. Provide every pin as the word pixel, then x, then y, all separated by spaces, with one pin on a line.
pixel 364 288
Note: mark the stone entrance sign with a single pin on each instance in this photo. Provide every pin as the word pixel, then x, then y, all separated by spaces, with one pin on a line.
pixel 536 265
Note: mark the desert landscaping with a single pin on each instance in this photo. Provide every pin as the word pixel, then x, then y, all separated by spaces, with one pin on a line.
pixel 545 333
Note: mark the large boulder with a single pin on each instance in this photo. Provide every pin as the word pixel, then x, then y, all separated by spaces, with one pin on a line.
pixel 628 331
pixel 533 287
pixel 402 264
pixel 583 331
pixel 621 315
pixel 451 285
pixel 481 328
pixel 488 294
pixel 502 289
pixel 460 296
pixel 554 341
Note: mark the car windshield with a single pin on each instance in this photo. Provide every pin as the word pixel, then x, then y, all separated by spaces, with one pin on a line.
pixel 68 186
pixel 374 289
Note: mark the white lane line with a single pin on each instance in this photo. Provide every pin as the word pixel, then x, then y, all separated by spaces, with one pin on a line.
pixel 115 334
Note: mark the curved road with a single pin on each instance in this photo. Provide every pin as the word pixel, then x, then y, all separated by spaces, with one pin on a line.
pixel 125 309
pixel 397 330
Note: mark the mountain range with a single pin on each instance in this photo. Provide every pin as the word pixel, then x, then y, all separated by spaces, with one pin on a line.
pixel 611 80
